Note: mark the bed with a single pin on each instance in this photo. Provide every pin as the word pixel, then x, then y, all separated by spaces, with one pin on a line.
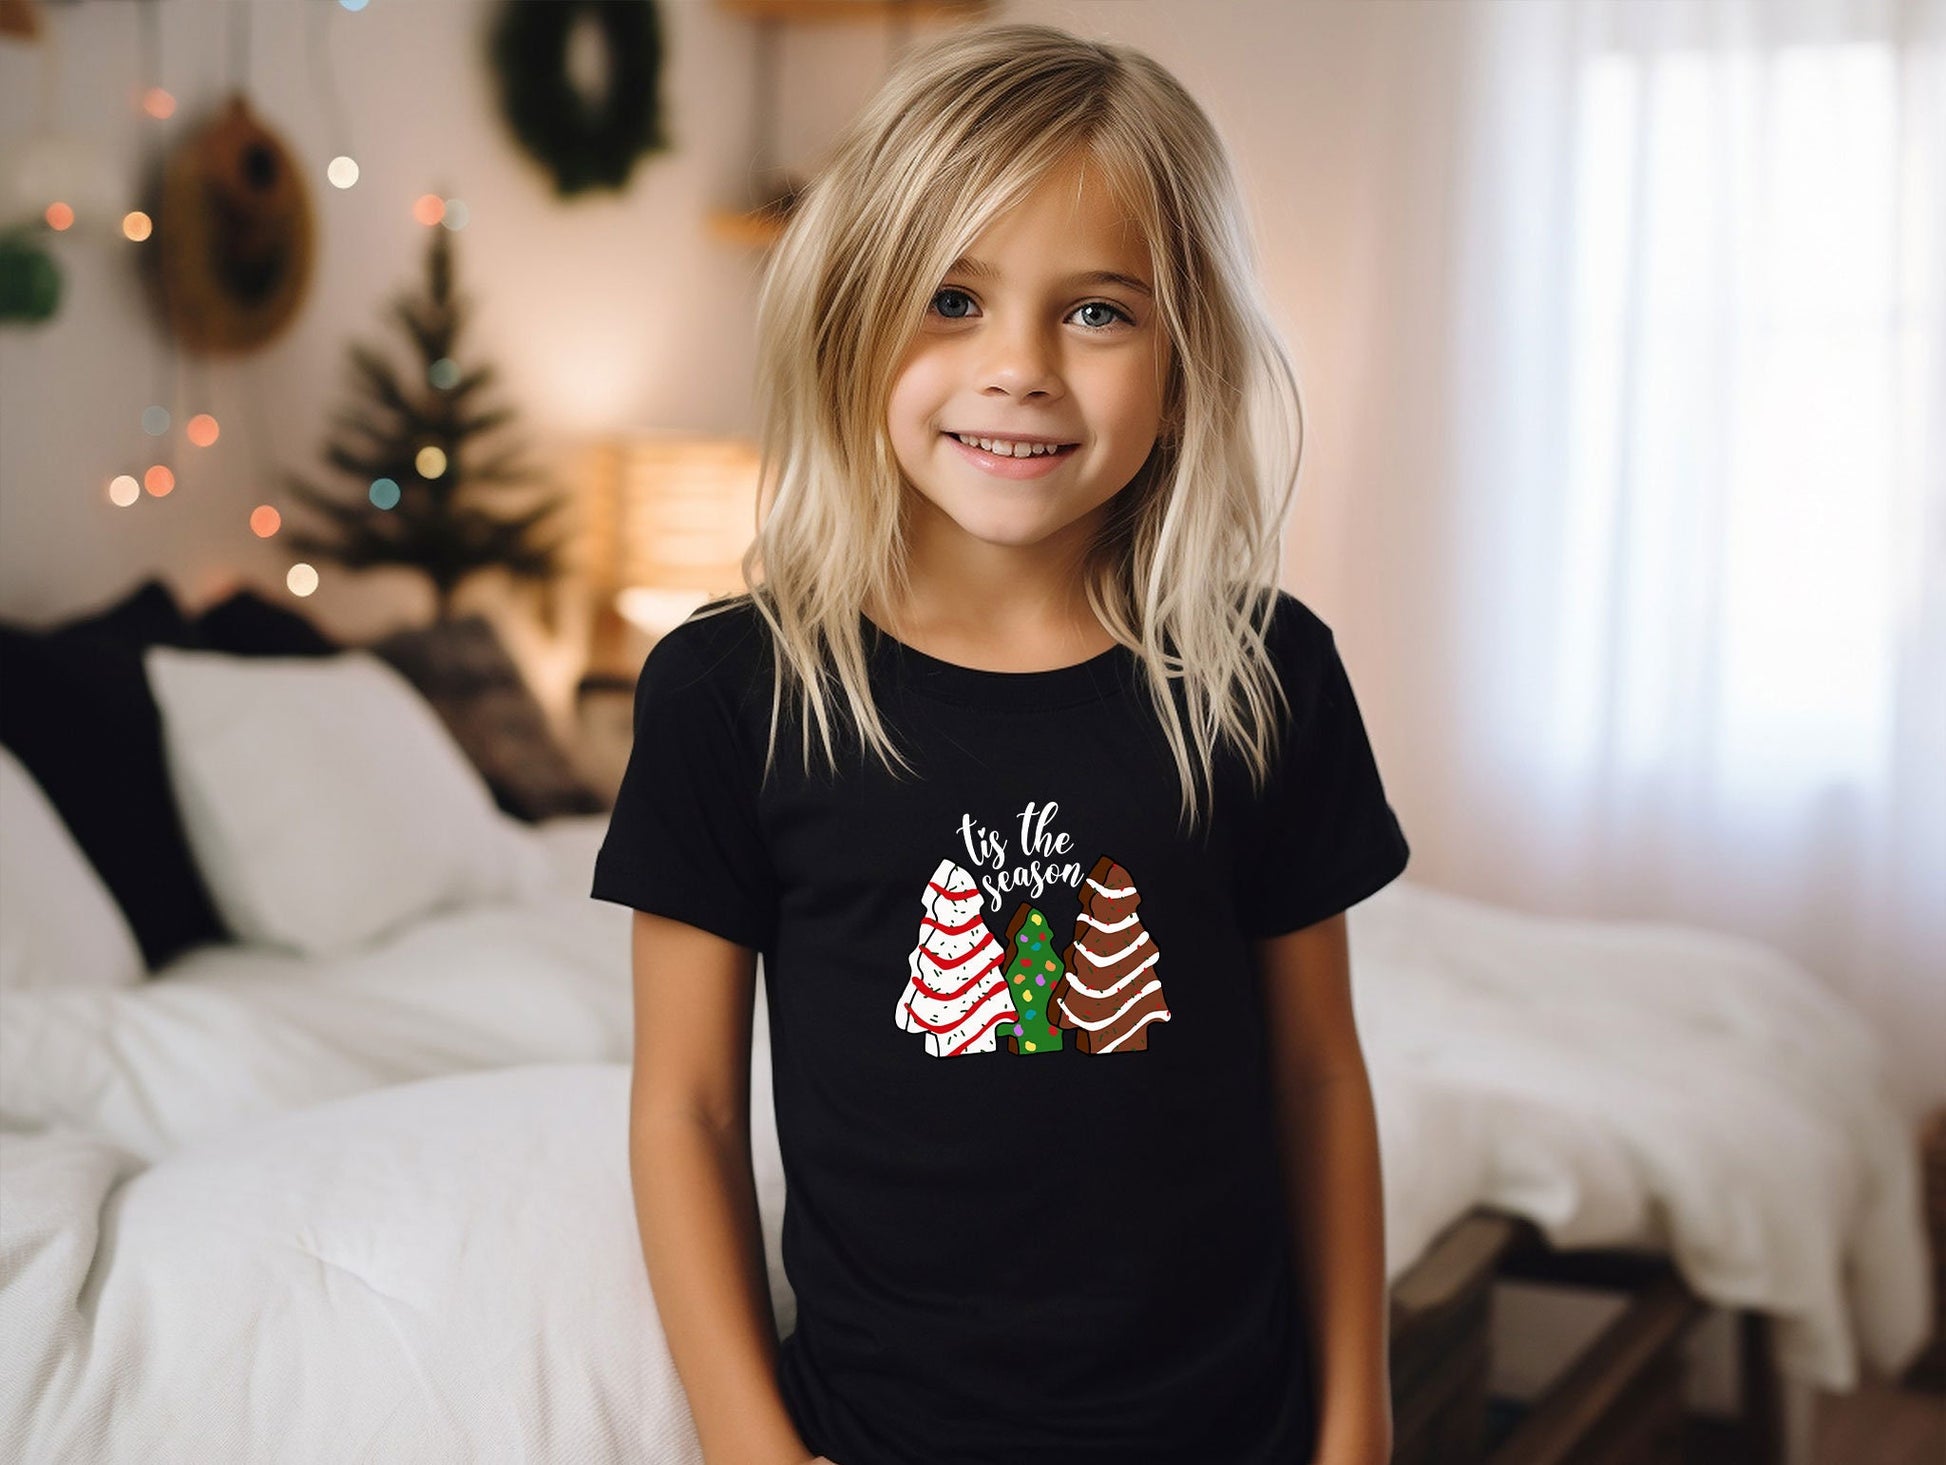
pixel 369 1199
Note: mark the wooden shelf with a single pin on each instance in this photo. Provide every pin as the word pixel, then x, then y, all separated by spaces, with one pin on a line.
pixel 799 11
pixel 758 228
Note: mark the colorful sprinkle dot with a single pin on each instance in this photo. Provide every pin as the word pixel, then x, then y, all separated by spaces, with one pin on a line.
pixel 1030 1013
pixel 1039 980
pixel 1035 917
pixel 1018 1029
pixel 1050 966
pixel 1030 1047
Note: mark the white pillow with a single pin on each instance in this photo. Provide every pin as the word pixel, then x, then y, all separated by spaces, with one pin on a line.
pixel 325 801
pixel 59 926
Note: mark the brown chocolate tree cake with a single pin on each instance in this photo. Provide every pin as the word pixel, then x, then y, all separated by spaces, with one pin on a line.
pixel 1112 991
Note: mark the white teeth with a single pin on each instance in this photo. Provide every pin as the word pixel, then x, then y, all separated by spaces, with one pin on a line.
pixel 1009 450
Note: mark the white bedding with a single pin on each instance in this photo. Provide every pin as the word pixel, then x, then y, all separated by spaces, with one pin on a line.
pixel 1634 1084
pixel 262 1208
pixel 230 1033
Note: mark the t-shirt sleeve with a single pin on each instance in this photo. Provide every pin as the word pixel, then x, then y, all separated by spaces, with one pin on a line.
pixel 684 839
pixel 1326 837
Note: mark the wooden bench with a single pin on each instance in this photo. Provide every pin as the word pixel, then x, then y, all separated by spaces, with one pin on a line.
pixel 1618 1402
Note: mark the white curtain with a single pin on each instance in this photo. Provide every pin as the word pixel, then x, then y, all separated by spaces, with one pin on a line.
pixel 1697 454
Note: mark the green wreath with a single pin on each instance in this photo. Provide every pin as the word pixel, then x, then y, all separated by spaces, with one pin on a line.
pixel 584 143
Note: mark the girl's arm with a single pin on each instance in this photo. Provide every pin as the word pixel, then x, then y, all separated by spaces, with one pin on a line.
pixel 1328 1134
pixel 695 1195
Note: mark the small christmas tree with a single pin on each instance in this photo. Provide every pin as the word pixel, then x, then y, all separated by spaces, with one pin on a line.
pixel 426 498
pixel 1035 972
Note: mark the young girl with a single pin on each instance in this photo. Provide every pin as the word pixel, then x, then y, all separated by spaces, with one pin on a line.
pixel 1041 803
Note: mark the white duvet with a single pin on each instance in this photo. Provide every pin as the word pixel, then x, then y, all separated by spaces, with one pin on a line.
pixel 379 1208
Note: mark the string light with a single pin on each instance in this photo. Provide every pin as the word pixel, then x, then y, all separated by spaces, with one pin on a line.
pixel 202 429
pixel 265 521
pixel 302 579
pixel 342 171
pixel 431 462
pixel 123 490
pixel 429 209
pixel 384 493
pixel 59 216
pixel 443 373
pixel 354 6
pixel 157 102
pixel 159 479
pixel 456 214
pixel 137 225
pixel 155 420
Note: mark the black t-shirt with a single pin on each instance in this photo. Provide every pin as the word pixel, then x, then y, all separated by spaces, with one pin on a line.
pixel 1018 1050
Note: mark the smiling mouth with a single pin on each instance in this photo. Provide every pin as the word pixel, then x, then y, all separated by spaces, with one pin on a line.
pixel 1012 448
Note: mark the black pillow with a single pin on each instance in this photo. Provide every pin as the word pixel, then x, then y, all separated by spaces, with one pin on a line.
pixel 75 708
pixel 248 625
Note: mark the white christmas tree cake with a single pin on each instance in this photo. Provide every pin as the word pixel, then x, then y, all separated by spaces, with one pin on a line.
pixel 1112 991
pixel 1033 970
pixel 956 993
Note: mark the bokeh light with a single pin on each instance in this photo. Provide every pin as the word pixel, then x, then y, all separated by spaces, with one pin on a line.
pixel 265 521
pixel 342 171
pixel 159 479
pixel 155 420
pixel 123 490
pixel 443 373
pixel 137 225
pixel 201 429
pixel 354 6
pixel 59 216
pixel 302 579
pixel 431 462
pixel 157 102
pixel 384 493
pixel 456 214
pixel 429 209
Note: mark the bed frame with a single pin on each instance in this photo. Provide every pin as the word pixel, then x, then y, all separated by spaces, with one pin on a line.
pixel 1619 1402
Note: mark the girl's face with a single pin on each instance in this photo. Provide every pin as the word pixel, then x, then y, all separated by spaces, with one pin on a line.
pixel 1030 337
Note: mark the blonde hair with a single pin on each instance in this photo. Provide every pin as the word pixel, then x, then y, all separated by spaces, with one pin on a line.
pixel 1184 570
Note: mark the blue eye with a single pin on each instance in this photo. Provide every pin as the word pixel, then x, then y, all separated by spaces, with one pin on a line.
pixel 1102 305
pixel 949 293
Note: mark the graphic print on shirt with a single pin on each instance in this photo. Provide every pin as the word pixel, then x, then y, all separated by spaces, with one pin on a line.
pixel 965 990
pixel 954 992
pixel 1112 991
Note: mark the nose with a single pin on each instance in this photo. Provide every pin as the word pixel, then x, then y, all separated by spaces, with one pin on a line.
pixel 1019 360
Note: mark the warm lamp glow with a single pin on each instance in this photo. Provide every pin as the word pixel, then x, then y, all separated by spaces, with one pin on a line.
pixel 159 479
pixel 202 429
pixel 265 521
pixel 342 171
pixel 137 225
pixel 670 517
pixel 430 461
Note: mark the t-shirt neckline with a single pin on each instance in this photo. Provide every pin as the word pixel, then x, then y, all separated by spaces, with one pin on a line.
pixel 1099 677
